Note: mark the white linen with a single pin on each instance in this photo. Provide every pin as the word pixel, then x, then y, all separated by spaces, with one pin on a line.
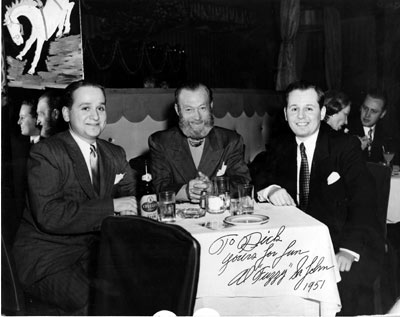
pixel 393 215
pixel 291 256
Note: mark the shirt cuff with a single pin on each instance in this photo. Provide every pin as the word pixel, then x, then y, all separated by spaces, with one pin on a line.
pixel 263 194
pixel 356 255
pixel 182 194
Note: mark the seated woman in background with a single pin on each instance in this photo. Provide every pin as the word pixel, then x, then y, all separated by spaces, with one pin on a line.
pixel 337 106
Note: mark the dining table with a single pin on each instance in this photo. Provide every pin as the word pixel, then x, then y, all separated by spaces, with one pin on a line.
pixel 393 212
pixel 277 261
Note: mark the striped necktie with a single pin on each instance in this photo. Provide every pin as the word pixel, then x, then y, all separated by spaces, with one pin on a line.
pixel 304 182
pixel 94 166
pixel 370 139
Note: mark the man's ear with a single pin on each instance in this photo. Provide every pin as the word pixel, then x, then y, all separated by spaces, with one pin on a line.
pixel 177 109
pixel 65 113
pixel 55 114
pixel 285 112
pixel 211 105
pixel 323 112
pixel 382 114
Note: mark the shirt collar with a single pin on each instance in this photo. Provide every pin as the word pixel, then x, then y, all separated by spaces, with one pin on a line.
pixel 83 145
pixel 310 141
pixel 35 138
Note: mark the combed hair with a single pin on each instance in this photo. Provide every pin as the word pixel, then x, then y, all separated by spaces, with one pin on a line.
pixel 67 98
pixel 193 86
pixel 304 85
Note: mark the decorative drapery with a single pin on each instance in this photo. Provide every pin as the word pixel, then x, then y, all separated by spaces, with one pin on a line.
pixel 289 24
pixel 333 48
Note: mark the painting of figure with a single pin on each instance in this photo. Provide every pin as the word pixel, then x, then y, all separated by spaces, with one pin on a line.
pixel 43 42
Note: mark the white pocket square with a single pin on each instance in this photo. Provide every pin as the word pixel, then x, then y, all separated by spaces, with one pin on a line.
pixel 333 178
pixel 118 178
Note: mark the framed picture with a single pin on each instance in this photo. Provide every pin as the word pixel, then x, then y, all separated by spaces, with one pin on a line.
pixel 42 43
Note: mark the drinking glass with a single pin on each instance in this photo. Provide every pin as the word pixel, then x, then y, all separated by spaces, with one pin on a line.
pixel 246 201
pixel 166 203
pixel 388 152
pixel 218 199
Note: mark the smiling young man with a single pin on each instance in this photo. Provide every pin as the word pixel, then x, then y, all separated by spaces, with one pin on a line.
pixel 75 180
pixel 185 158
pixel 323 173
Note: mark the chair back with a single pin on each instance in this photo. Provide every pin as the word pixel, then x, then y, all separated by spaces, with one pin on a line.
pixel 12 296
pixel 145 266
pixel 381 174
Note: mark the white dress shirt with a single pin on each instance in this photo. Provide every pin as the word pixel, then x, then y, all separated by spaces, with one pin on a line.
pixel 84 146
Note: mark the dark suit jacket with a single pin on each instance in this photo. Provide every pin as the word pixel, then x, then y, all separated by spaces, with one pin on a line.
pixel 172 162
pixel 348 206
pixel 64 213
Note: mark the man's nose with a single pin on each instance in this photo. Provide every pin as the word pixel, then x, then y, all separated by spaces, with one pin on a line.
pixel 367 113
pixel 197 114
pixel 300 114
pixel 94 114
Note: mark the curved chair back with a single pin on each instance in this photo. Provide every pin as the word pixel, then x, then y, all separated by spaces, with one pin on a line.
pixel 145 266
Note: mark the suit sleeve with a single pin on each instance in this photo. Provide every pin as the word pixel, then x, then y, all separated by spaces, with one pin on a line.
pixel 57 201
pixel 237 169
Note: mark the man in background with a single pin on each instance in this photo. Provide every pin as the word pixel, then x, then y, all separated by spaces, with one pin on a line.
pixel 324 174
pixel 49 116
pixel 75 180
pixel 370 129
pixel 28 121
pixel 184 159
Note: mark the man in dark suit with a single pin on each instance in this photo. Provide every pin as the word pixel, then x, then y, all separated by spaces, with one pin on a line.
pixel 370 128
pixel 323 173
pixel 75 181
pixel 184 159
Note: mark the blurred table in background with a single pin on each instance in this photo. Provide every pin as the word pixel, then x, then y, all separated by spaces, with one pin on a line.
pixel 393 215
pixel 286 266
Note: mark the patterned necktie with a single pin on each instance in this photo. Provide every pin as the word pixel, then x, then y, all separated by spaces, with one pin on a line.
pixel 304 183
pixel 94 168
pixel 370 141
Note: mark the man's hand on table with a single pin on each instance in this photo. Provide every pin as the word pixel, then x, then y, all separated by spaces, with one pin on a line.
pixel 196 186
pixel 344 260
pixel 125 206
pixel 280 197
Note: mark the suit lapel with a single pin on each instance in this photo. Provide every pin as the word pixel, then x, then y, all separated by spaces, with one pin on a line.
pixel 182 158
pixel 80 167
pixel 212 154
pixel 320 154
pixel 105 168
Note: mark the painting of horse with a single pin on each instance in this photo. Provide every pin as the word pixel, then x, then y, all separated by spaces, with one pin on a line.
pixel 45 21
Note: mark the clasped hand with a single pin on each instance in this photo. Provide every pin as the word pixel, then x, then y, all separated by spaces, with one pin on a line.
pixel 365 142
pixel 196 186
pixel 125 205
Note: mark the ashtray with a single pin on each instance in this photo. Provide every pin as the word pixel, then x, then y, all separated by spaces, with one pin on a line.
pixel 192 212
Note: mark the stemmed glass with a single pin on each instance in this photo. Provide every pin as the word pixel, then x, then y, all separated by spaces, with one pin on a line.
pixel 388 153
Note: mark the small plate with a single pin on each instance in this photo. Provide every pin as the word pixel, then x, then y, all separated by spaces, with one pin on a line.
pixel 246 220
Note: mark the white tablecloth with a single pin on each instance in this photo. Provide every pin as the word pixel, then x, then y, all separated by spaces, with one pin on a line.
pixel 283 267
pixel 393 215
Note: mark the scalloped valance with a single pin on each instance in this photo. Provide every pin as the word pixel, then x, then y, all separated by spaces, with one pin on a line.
pixel 136 104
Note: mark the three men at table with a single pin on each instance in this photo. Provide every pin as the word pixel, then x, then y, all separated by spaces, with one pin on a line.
pixel 67 202
pixel 185 158
pixel 331 183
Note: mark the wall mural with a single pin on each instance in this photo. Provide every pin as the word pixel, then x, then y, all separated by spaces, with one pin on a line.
pixel 43 43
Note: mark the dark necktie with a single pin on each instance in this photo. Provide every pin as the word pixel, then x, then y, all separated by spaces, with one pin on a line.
pixel 304 182
pixel 95 169
pixel 370 141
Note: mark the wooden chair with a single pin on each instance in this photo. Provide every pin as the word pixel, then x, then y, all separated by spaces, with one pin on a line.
pixel 145 266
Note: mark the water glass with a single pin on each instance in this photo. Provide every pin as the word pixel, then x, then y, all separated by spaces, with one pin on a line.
pixel 246 201
pixel 166 203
